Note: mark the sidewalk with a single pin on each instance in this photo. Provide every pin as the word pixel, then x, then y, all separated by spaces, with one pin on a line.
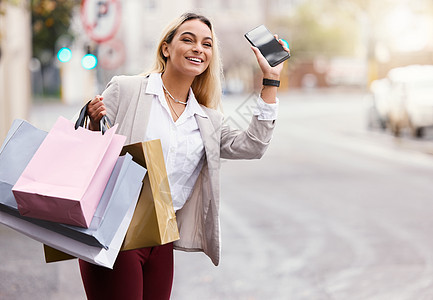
pixel 25 275
pixel 23 271
pixel 43 114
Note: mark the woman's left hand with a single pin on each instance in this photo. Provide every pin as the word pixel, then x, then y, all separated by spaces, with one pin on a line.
pixel 268 71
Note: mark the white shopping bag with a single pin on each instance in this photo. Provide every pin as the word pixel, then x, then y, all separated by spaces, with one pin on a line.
pixel 95 255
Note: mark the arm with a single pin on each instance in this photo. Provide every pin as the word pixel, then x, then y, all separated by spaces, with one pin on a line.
pixel 249 144
pixel 252 143
pixel 97 108
pixel 269 93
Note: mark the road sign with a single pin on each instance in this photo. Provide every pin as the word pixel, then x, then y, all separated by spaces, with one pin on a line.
pixel 111 54
pixel 101 18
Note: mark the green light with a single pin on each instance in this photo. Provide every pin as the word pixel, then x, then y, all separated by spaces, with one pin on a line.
pixel 64 54
pixel 89 61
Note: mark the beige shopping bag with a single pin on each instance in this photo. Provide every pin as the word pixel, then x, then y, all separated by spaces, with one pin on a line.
pixel 154 221
pixel 53 255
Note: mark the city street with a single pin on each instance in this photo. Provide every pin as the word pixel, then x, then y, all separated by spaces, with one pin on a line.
pixel 333 211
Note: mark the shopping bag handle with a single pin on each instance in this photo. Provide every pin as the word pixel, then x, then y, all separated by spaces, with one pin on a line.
pixel 104 123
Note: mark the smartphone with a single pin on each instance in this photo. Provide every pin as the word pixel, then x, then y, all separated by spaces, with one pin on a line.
pixel 271 49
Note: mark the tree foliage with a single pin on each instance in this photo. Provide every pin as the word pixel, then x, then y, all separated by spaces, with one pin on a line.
pixel 50 20
pixel 321 29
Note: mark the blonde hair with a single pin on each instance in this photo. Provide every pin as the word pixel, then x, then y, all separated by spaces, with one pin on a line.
pixel 206 86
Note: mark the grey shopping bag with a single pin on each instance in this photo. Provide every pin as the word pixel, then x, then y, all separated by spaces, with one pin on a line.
pixel 17 150
pixel 122 189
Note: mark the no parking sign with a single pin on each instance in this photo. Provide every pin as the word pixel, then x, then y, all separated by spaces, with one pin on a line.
pixel 101 18
pixel 112 54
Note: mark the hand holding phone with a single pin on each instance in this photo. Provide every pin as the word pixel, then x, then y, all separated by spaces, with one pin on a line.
pixel 270 48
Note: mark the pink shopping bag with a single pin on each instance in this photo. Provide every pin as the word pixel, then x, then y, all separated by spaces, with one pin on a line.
pixel 67 175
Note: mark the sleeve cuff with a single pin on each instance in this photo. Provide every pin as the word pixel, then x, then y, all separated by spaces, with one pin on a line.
pixel 266 111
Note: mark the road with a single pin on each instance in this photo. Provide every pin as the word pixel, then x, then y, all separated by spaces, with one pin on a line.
pixel 333 211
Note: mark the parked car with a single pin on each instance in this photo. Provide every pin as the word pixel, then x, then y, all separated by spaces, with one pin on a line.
pixel 379 91
pixel 404 99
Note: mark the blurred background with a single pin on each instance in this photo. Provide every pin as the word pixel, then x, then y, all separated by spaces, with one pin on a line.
pixel 67 51
pixel 340 207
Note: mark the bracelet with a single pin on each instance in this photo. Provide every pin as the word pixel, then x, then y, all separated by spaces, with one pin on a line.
pixel 271 82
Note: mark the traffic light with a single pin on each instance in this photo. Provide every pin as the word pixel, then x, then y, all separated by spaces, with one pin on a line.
pixel 89 61
pixel 64 54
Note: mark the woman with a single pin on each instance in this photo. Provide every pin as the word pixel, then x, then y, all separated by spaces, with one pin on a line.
pixel 176 102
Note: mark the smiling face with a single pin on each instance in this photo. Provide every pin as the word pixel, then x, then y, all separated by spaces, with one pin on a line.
pixel 190 51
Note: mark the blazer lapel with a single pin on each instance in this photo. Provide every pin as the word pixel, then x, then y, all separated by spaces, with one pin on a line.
pixel 211 144
pixel 209 136
pixel 141 118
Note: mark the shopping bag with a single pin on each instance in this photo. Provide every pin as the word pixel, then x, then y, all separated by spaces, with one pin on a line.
pixel 154 221
pixel 123 187
pixel 19 146
pixel 95 255
pixel 67 175
pixel 53 255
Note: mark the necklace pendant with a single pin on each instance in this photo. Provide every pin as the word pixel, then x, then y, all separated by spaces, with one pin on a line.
pixel 181 102
pixel 171 97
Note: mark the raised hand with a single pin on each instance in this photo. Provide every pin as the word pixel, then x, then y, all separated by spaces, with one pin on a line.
pixel 268 71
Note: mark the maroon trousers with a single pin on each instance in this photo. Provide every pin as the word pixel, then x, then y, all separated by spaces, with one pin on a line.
pixel 145 273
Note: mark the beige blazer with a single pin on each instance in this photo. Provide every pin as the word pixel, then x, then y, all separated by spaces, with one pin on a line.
pixel 128 105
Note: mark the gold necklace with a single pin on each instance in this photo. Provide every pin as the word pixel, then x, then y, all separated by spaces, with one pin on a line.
pixel 175 100
pixel 172 108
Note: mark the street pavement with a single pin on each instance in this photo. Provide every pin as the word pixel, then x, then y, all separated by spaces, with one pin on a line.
pixel 334 210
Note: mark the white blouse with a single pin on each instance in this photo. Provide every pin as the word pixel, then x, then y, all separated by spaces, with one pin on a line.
pixel 181 141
